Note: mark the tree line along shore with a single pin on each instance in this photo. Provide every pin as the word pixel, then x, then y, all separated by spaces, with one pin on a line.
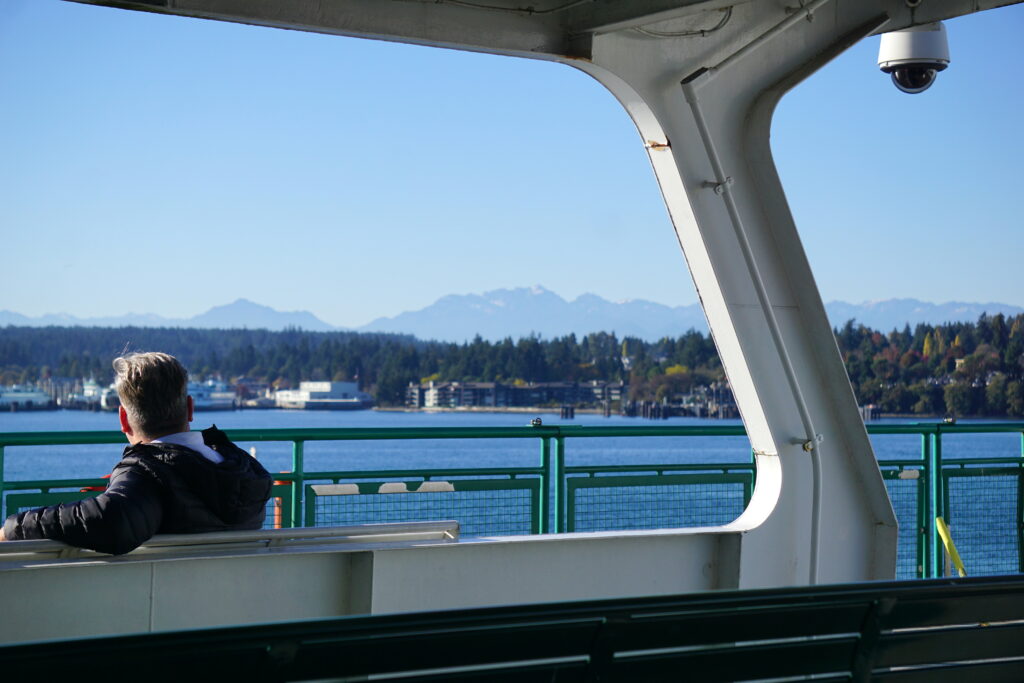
pixel 961 369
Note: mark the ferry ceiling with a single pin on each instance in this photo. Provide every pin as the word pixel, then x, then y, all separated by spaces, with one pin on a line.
pixel 541 28
pixel 700 80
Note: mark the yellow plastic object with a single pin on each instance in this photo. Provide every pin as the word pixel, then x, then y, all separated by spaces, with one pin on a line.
pixel 947 541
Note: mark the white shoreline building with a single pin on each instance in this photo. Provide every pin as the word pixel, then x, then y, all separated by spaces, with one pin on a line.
pixel 323 396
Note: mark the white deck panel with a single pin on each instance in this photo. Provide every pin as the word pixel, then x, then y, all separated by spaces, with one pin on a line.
pixel 170 587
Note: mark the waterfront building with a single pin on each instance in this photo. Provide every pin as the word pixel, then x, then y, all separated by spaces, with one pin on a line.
pixel 458 395
pixel 439 395
pixel 596 391
pixel 414 394
pixel 323 396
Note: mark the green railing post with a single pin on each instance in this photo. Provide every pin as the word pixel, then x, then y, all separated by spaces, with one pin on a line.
pixel 546 478
pixel 309 506
pixel 1020 508
pixel 935 504
pixel 1020 521
pixel 558 520
pixel 298 468
pixel 924 537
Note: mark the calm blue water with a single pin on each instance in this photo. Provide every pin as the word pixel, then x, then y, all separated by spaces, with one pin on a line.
pixel 49 462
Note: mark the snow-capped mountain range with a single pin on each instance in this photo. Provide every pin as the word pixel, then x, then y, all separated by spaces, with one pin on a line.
pixel 523 311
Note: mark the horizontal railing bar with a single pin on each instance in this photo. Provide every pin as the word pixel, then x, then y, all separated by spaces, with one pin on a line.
pixel 981 471
pixel 983 461
pixel 688 467
pixel 981 428
pixel 456 472
pixel 28 484
pixel 946 428
pixel 586 431
pixel 388 433
pixel 13 485
pixel 59 438
pixel 17 485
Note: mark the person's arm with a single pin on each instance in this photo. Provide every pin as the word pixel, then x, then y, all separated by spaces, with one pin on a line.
pixel 117 521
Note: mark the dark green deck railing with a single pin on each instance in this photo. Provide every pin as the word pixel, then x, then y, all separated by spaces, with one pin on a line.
pixel 981 497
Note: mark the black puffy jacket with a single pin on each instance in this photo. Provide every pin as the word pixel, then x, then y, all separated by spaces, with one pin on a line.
pixel 157 488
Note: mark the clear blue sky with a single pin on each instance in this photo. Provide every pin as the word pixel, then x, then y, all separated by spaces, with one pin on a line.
pixel 166 165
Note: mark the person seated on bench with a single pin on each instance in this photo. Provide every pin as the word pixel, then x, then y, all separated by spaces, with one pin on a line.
pixel 170 480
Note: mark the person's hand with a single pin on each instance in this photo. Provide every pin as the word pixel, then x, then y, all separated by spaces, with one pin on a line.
pixel 2 537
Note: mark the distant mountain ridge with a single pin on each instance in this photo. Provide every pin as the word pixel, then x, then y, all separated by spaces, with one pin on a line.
pixel 240 313
pixel 535 310
pixel 523 311
pixel 891 314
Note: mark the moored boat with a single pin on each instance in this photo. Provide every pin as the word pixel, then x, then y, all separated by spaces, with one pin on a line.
pixel 19 397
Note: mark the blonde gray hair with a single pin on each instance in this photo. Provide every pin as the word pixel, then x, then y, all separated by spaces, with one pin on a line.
pixel 153 388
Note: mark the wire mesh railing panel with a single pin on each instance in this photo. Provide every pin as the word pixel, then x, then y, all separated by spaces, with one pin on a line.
pixel 655 501
pixel 906 492
pixel 482 508
pixel 983 510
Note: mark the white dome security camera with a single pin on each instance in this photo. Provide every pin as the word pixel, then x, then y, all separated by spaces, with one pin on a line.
pixel 913 56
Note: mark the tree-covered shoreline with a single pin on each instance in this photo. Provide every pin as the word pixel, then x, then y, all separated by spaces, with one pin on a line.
pixel 962 369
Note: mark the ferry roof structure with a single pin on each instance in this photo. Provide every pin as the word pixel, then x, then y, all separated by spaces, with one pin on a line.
pixel 700 80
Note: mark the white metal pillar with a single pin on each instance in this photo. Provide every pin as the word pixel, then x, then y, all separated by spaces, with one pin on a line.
pixel 820 511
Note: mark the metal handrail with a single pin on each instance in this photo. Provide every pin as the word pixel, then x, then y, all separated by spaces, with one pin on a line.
pixel 397 433
pixel 527 432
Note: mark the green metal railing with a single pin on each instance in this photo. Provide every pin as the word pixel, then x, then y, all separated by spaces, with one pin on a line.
pixel 985 513
pixel 981 497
